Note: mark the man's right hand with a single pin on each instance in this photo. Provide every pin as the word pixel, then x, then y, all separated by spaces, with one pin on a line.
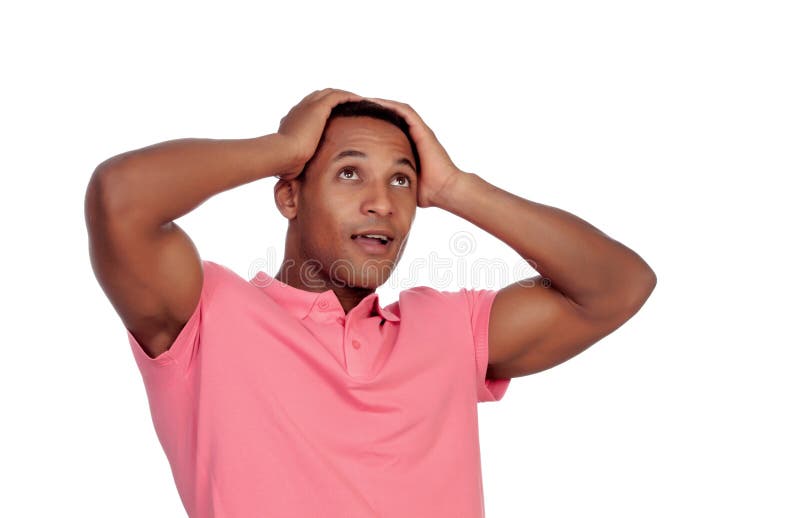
pixel 302 127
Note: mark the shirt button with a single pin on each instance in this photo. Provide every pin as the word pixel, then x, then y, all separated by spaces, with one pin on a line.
pixel 323 304
pixel 356 344
pixel 340 319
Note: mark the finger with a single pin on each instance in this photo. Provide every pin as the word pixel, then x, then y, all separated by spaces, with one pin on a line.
pixel 388 101
pixel 403 108
pixel 311 95
pixel 335 91
pixel 385 102
pixel 336 98
pixel 344 95
pixel 318 95
pixel 411 117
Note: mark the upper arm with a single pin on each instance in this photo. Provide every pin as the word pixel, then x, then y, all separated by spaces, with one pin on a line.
pixel 151 274
pixel 533 327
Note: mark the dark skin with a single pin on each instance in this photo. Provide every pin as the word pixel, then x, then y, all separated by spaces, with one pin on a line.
pixel 590 284
pixel 337 199
pixel 593 283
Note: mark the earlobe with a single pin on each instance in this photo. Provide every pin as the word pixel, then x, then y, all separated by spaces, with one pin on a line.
pixel 286 195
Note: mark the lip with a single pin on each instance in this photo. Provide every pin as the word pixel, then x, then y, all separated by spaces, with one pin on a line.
pixel 372 247
pixel 380 231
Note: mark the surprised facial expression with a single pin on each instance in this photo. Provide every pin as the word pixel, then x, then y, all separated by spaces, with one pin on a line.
pixel 361 180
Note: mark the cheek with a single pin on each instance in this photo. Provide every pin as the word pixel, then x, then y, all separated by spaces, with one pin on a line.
pixel 327 226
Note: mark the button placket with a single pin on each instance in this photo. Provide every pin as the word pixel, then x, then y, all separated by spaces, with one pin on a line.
pixel 353 350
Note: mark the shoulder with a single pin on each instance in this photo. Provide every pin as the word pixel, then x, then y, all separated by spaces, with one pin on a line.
pixel 222 274
pixel 223 284
pixel 462 299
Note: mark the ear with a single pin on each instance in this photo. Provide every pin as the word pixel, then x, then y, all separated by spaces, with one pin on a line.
pixel 287 193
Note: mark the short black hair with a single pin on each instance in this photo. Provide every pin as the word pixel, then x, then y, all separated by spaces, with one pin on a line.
pixel 367 108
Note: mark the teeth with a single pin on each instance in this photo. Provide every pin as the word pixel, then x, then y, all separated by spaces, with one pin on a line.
pixel 379 236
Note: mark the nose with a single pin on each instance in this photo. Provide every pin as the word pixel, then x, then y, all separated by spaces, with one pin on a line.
pixel 378 201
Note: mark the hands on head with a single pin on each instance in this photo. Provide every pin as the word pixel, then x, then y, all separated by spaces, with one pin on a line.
pixel 303 126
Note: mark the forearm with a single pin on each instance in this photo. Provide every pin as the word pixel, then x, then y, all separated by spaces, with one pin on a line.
pixel 585 264
pixel 162 182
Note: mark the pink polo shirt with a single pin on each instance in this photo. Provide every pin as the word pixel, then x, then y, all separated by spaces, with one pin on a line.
pixel 272 402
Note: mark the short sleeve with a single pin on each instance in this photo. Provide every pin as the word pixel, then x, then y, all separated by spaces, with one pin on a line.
pixel 480 303
pixel 178 357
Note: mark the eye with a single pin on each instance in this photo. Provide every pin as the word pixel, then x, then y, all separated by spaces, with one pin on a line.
pixel 406 179
pixel 347 170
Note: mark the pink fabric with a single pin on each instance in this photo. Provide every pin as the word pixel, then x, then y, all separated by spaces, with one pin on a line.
pixel 273 402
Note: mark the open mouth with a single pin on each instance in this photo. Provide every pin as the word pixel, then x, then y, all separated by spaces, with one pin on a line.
pixel 375 244
pixel 372 238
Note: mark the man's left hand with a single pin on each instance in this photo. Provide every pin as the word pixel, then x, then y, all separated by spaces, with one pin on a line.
pixel 437 170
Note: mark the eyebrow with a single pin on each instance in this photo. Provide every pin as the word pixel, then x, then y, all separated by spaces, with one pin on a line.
pixel 359 154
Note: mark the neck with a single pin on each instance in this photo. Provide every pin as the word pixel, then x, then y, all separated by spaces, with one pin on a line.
pixel 318 282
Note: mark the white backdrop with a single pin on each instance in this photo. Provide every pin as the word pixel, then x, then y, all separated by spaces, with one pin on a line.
pixel 671 126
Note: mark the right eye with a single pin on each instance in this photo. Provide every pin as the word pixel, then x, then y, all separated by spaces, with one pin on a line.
pixel 349 170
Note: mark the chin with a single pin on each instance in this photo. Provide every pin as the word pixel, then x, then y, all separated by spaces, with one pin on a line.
pixel 361 277
pixel 361 273
pixel 370 282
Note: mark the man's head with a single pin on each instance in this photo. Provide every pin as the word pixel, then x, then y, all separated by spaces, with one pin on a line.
pixel 362 179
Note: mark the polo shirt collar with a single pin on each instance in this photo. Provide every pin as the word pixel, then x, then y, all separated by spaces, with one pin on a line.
pixel 301 302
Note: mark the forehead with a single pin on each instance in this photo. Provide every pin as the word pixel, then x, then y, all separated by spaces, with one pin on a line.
pixel 364 133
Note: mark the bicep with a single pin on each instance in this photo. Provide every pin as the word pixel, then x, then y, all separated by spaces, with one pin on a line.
pixel 152 275
pixel 533 326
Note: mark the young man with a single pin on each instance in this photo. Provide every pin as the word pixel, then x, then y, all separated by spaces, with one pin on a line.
pixel 300 394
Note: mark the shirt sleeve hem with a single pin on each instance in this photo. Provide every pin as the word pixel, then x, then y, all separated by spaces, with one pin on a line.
pixel 488 389
pixel 182 343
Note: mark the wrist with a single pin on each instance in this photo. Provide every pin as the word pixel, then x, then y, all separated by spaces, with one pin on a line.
pixel 454 190
pixel 280 156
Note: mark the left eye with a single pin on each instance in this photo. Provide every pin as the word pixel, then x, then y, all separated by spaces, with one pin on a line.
pixel 405 179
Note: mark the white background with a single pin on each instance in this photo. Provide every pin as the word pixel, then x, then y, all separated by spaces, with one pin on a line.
pixel 671 126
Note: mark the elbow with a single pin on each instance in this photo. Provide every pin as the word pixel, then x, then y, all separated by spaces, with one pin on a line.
pixel 105 192
pixel 641 287
pixel 649 279
pixel 642 281
pixel 94 199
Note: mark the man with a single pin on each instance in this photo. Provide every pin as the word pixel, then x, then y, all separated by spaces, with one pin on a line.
pixel 300 394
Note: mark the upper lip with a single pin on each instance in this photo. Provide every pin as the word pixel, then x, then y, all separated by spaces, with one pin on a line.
pixel 379 231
